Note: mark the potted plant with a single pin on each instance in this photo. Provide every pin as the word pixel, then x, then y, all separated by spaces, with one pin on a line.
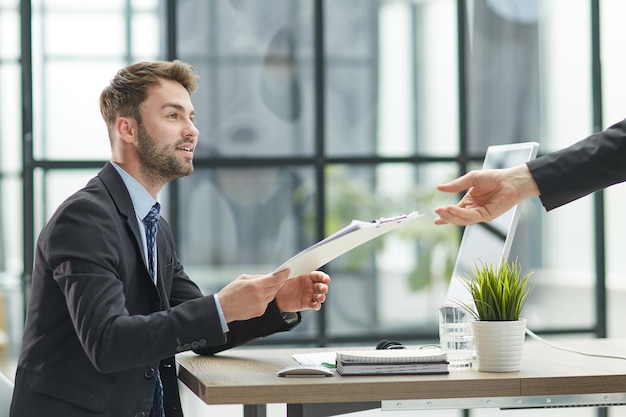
pixel 499 294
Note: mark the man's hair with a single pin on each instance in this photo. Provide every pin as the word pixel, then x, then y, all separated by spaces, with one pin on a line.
pixel 129 88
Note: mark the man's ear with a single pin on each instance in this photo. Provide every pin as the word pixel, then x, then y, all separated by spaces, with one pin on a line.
pixel 126 129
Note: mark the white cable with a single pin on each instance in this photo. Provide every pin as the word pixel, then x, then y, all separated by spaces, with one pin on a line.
pixel 534 336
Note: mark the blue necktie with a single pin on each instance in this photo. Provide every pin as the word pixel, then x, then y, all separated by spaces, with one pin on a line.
pixel 151 222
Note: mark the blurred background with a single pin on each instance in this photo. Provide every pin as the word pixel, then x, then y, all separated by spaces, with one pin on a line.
pixel 313 113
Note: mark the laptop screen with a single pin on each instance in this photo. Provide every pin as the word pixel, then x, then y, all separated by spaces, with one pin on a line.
pixel 490 242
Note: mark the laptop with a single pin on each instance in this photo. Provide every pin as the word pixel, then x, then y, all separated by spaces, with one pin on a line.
pixel 490 242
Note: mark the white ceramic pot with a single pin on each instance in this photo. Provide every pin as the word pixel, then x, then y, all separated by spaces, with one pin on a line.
pixel 499 345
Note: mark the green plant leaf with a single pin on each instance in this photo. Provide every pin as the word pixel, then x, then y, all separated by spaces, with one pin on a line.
pixel 499 293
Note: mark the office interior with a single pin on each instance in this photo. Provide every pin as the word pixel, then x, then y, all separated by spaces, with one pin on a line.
pixel 316 112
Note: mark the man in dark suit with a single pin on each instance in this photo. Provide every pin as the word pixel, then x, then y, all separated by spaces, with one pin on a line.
pixel 109 307
pixel 557 178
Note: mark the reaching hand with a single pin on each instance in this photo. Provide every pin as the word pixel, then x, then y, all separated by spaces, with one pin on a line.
pixel 490 194
pixel 304 292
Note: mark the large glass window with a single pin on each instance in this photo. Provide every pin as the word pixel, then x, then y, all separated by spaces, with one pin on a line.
pixel 390 92
pixel 566 117
pixel 614 86
pixel 382 122
pixel 77 48
pixel 261 102
pixel 11 316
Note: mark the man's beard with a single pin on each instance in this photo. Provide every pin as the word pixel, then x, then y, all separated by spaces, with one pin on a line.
pixel 159 165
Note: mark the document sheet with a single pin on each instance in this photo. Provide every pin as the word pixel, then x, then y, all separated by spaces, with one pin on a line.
pixel 355 234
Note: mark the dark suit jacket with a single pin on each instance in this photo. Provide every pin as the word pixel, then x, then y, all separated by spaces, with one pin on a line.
pixel 587 166
pixel 97 327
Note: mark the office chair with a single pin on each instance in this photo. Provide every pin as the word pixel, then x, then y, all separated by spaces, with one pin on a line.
pixel 6 393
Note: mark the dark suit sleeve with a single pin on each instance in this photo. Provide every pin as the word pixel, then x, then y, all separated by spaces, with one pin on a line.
pixel 240 332
pixel 587 166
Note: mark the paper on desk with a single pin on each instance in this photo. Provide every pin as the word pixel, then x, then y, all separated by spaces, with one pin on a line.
pixel 355 234
pixel 324 358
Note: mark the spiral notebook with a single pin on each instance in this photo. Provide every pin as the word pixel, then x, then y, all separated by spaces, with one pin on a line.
pixel 423 368
pixel 425 361
pixel 395 356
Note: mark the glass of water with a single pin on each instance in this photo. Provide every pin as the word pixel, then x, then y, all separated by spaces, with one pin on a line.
pixel 456 337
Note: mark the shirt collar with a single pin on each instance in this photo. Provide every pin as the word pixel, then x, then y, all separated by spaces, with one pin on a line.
pixel 141 198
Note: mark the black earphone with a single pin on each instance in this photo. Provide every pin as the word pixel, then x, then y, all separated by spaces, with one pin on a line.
pixel 389 344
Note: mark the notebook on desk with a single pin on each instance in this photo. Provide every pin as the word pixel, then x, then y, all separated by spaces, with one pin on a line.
pixel 423 361
pixel 382 356
pixel 490 242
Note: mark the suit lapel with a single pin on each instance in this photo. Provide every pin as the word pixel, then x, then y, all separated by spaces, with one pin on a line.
pixel 120 196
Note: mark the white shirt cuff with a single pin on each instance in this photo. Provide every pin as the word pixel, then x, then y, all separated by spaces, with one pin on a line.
pixel 220 313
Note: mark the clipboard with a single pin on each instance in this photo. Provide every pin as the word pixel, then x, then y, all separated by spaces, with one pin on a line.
pixel 355 234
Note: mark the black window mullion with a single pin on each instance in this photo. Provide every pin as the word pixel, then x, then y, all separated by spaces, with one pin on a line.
pixel 598 198
pixel 319 66
pixel 26 69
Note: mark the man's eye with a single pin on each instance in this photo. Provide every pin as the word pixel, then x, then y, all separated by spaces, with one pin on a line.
pixel 172 116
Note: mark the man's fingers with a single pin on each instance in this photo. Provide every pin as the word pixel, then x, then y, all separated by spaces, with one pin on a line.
pixel 321 288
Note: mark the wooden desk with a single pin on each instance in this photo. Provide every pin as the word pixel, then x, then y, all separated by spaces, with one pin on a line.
pixel 549 378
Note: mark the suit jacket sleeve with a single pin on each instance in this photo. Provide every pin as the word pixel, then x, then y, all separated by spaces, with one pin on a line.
pixel 240 332
pixel 587 166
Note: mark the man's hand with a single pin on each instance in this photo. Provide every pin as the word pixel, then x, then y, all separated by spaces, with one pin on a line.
pixel 248 295
pixel 490 194
pixel 304 292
